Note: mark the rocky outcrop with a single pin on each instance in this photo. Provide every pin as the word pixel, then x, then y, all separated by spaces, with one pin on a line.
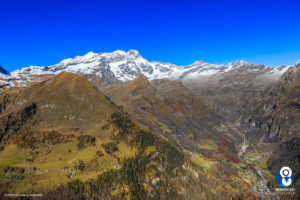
pixel 274 115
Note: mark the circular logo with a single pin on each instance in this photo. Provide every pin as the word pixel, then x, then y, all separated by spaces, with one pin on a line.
pixel 284 177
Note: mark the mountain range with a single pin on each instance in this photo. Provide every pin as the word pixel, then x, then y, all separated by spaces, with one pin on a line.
pixel 116 126
pixel 125 66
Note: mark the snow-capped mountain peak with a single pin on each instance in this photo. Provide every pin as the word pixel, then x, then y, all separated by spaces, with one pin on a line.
pixel 87 56
pixel 237 64
pixel 134 53
pixel 199 62
pixel 123 66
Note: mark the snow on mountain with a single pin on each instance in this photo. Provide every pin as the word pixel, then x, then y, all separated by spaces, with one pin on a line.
pixel 129 65
pixel 276 72
pixel 123 65
pixel 4 73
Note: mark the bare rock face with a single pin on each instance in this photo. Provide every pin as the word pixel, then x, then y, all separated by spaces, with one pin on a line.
pixel 226 92
pixel 275 113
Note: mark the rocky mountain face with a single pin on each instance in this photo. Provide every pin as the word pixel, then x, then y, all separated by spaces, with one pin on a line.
pixel 226 92
pixel 168 107
pixel 274 115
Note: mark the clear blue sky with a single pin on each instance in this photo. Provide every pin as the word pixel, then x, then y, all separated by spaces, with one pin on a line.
pixel 44 32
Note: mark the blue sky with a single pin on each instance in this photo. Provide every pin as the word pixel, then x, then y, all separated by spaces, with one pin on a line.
pixel 181 32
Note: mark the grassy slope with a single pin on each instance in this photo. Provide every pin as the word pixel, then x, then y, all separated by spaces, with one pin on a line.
pixel 195 178
pixel 50 171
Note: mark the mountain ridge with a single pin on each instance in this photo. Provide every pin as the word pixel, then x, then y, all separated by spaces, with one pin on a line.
pixel 124 66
